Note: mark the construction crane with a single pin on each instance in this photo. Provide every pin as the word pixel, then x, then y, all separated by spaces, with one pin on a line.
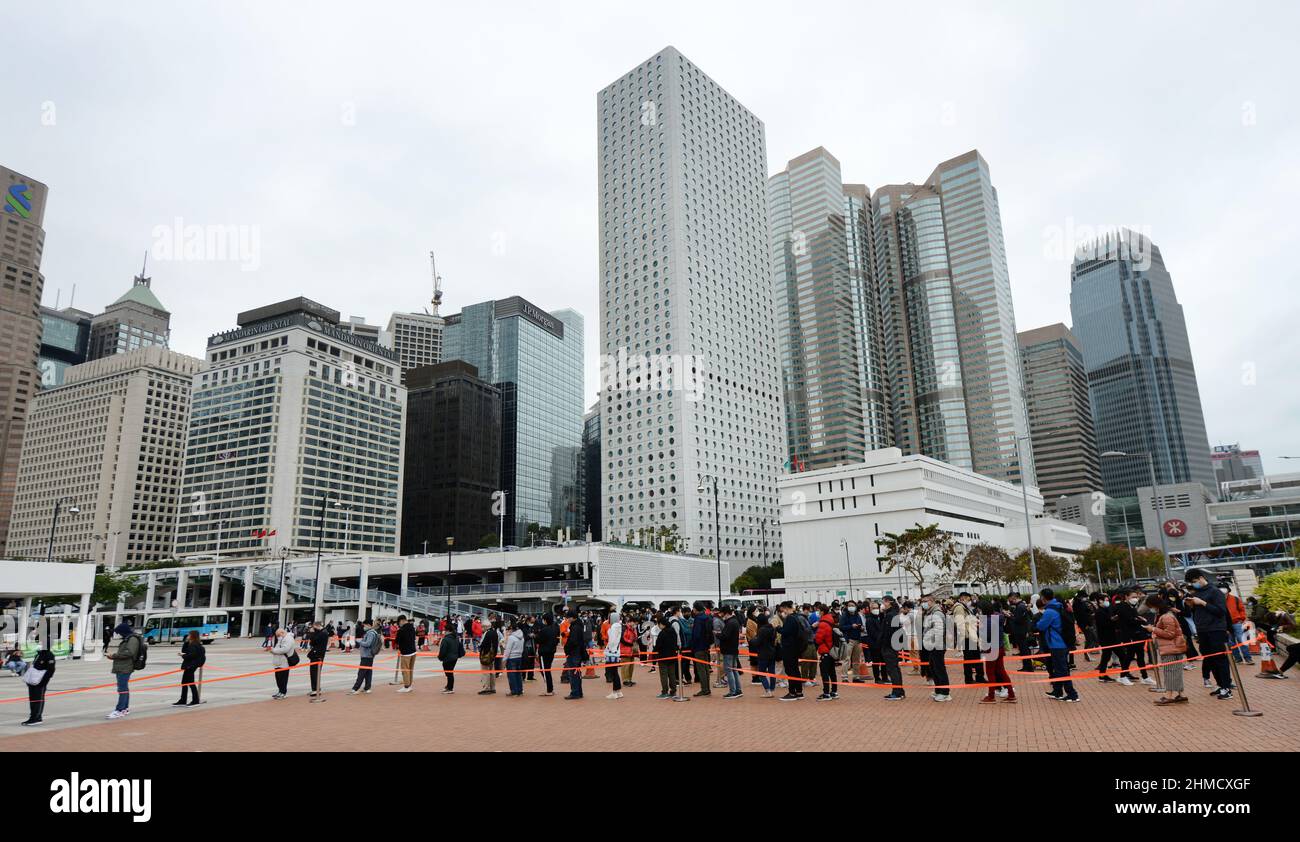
pixel 437 284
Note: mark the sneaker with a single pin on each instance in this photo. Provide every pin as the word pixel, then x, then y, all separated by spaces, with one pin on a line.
pixel 1054 696
pixel 447 692
pixel 367 690
pixel 405 689
pixel 485 692
pixel 704 693
pixel 894 697
pixel 572 697
pixel 1125 680
pixel 117 714
pixel 179 704
pixel 1223 695
pixel 612 696
pixel 833 695
pixel 1187 667
pixel 353 692
pixel 938 698
pixel 277 696
pixel 30 722
pixel 1150 681
pixel 824 697
pixel 1074 700
pixel 731 696
pixel 1207 683
pixel 790 698
pixel 660 696
pixel 1106 679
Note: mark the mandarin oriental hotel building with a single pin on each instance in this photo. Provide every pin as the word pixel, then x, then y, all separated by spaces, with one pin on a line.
pixel 293 410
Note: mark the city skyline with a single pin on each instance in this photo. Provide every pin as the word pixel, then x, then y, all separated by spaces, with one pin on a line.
pixel 524 199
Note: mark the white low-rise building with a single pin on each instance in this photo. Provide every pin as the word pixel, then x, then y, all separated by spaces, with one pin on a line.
pixel 889 493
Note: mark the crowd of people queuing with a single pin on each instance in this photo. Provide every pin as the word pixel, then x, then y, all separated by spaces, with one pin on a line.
pixel 791 647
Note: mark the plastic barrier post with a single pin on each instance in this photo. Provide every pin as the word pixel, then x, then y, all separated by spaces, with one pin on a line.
pixel 681 695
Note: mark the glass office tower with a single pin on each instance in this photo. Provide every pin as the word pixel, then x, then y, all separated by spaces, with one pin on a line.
pixel 1141 380
pixel 535 358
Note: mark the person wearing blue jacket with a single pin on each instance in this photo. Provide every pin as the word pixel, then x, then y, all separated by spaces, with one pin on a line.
pixel 1050 624
pixel 851 627
pixel 701 642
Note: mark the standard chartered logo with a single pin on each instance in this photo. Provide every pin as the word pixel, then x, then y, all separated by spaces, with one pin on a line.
pixel 19 201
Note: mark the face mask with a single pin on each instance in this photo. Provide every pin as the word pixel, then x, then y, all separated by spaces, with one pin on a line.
pixel 853 609
pixel 1133 600
pixel 875 610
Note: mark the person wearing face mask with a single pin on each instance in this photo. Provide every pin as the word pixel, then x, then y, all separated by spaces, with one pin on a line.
pixel 993 654
pixel 1172 646
pixel 966 626
pixel 1130 631
pixel 1083 616
pixel 794 632
pixel 488 650
pixel 934 646
pixel 1104 619
pixel 871 639
pixel 890 641
pixel 1018 629
pixel 1050 624
pixel 1210 615
pixel 851 628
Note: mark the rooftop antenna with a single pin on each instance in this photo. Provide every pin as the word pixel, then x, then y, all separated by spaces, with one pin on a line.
pixel 437 284
pixel 143 266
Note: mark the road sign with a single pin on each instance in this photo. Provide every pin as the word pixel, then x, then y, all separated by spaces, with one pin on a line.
pixel 841 593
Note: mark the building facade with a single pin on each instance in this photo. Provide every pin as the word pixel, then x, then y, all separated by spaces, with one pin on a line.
pixel 1141 378
pixel 417 339
pixel 453 458
pixel 65 342
pixel 535 358
pixel 135 320
pixel 1260 509
pixel 1060 418
pixel 1232 464
pixel 293 411
pixel 687 311
pixel 22 240
pixel 828 319
pixel 956 388
pixel 832 522
pixel 591 471
pixel 111 440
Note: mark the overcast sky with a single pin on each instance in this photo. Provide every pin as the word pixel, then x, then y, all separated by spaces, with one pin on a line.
pixel 349 139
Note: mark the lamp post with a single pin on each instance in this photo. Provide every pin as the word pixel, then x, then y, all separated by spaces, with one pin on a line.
pixel 1128 539
pixel 447 613
pixel 844 542
pixel 1029 532
pixel 1155 495
pixel 58 504
pixel 284 557
pixel 500 503
pixel 347 526
pixel 320 543
pixel 221 528
pixel 717 528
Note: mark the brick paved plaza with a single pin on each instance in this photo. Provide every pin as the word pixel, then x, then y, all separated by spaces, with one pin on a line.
pixel 239 716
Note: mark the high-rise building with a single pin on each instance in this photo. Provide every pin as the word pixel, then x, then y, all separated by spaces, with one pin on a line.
pixel 687 307
pixel 417 339
pixel 1060 419
pixel 65 342
pixel 949 328
pixel 1232 464
pixel 112 440
pixel 293 412
pixel 135 320
pixel 22 238
pixel 828 319
pixel 1141 379
pixel 591 470
pixel 363 330
pixel 453 458
pixel 535 358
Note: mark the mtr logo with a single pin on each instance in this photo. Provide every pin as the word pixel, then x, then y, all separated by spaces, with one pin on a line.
pixel 19 201
pixel 1175 528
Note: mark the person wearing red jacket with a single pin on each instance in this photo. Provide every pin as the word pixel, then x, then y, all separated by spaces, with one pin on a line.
pixel 825 641
pixel 1237 617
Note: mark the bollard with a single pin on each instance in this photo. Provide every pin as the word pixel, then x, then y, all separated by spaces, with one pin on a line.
pixel 320 681
pixel 1153 657
pixel 1241 688
pixel 681 683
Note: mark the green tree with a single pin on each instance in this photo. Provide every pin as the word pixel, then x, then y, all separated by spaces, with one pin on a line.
pixel 1052 569
pixel 490 539
pixel 985 563
pixel 919 550
pixel 1280 591
pixel 758 576
pixel 1150 562
pixel 1112 559
pixel 108 587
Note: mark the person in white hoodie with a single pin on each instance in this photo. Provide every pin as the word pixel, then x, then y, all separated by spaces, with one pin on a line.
pixel 513 655
pixel 282 650
pixel 612 655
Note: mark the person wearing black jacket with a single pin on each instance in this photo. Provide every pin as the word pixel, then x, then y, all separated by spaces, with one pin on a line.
pixel 406 647
pixel 1128 627
pixel 546 638
pixel 43 661
pixel 1083 616
pixel 729 649
pixel 529 628
pixel 871 639
pixel 665 654
pixel 887 641
pixel 489 652
pixel 764 648
pixel 1210 614
pixel 1103 618
pixel 193 656
pixel 1019 630
pixel 317 642
pixel 795 634
pixel 575 647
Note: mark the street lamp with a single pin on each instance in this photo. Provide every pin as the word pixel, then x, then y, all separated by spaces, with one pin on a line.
pixel 284 556
pixel 1029 532
pixel 447 613
pixel 49 555
pixel 320 541
pixel 1155 494
pixel 717 528
pixel 844 542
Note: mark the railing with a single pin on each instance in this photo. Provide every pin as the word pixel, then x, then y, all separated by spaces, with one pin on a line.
pixel 414 602
pixel 507 587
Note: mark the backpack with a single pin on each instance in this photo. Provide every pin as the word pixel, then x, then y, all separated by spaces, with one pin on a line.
pixel 1067 627
pixel 839 644
pixel 141 655
pixel 684 632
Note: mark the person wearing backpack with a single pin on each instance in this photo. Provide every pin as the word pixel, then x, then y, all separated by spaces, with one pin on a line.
pixel 1173 648
pixel 1051 623
pixel 36 676
pixel 371 643
pixel 130 652
pixel 828 639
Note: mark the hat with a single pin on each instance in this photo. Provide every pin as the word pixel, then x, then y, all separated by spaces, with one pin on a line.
pixel 123 629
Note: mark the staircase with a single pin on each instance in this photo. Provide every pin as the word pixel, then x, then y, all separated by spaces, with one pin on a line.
pixel 413 603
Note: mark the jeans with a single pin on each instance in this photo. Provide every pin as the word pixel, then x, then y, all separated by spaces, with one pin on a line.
pixel 364 673
pixel 1059 667
pixel 573 663
pixel 123 697
pixel 514 676
pixel 768 681
pixel 1240 653
pixel 732 665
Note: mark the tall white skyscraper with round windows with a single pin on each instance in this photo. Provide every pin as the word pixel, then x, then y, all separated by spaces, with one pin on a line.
pixel 690 381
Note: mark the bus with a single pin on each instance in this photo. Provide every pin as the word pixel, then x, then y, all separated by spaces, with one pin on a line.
pixel 164 627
